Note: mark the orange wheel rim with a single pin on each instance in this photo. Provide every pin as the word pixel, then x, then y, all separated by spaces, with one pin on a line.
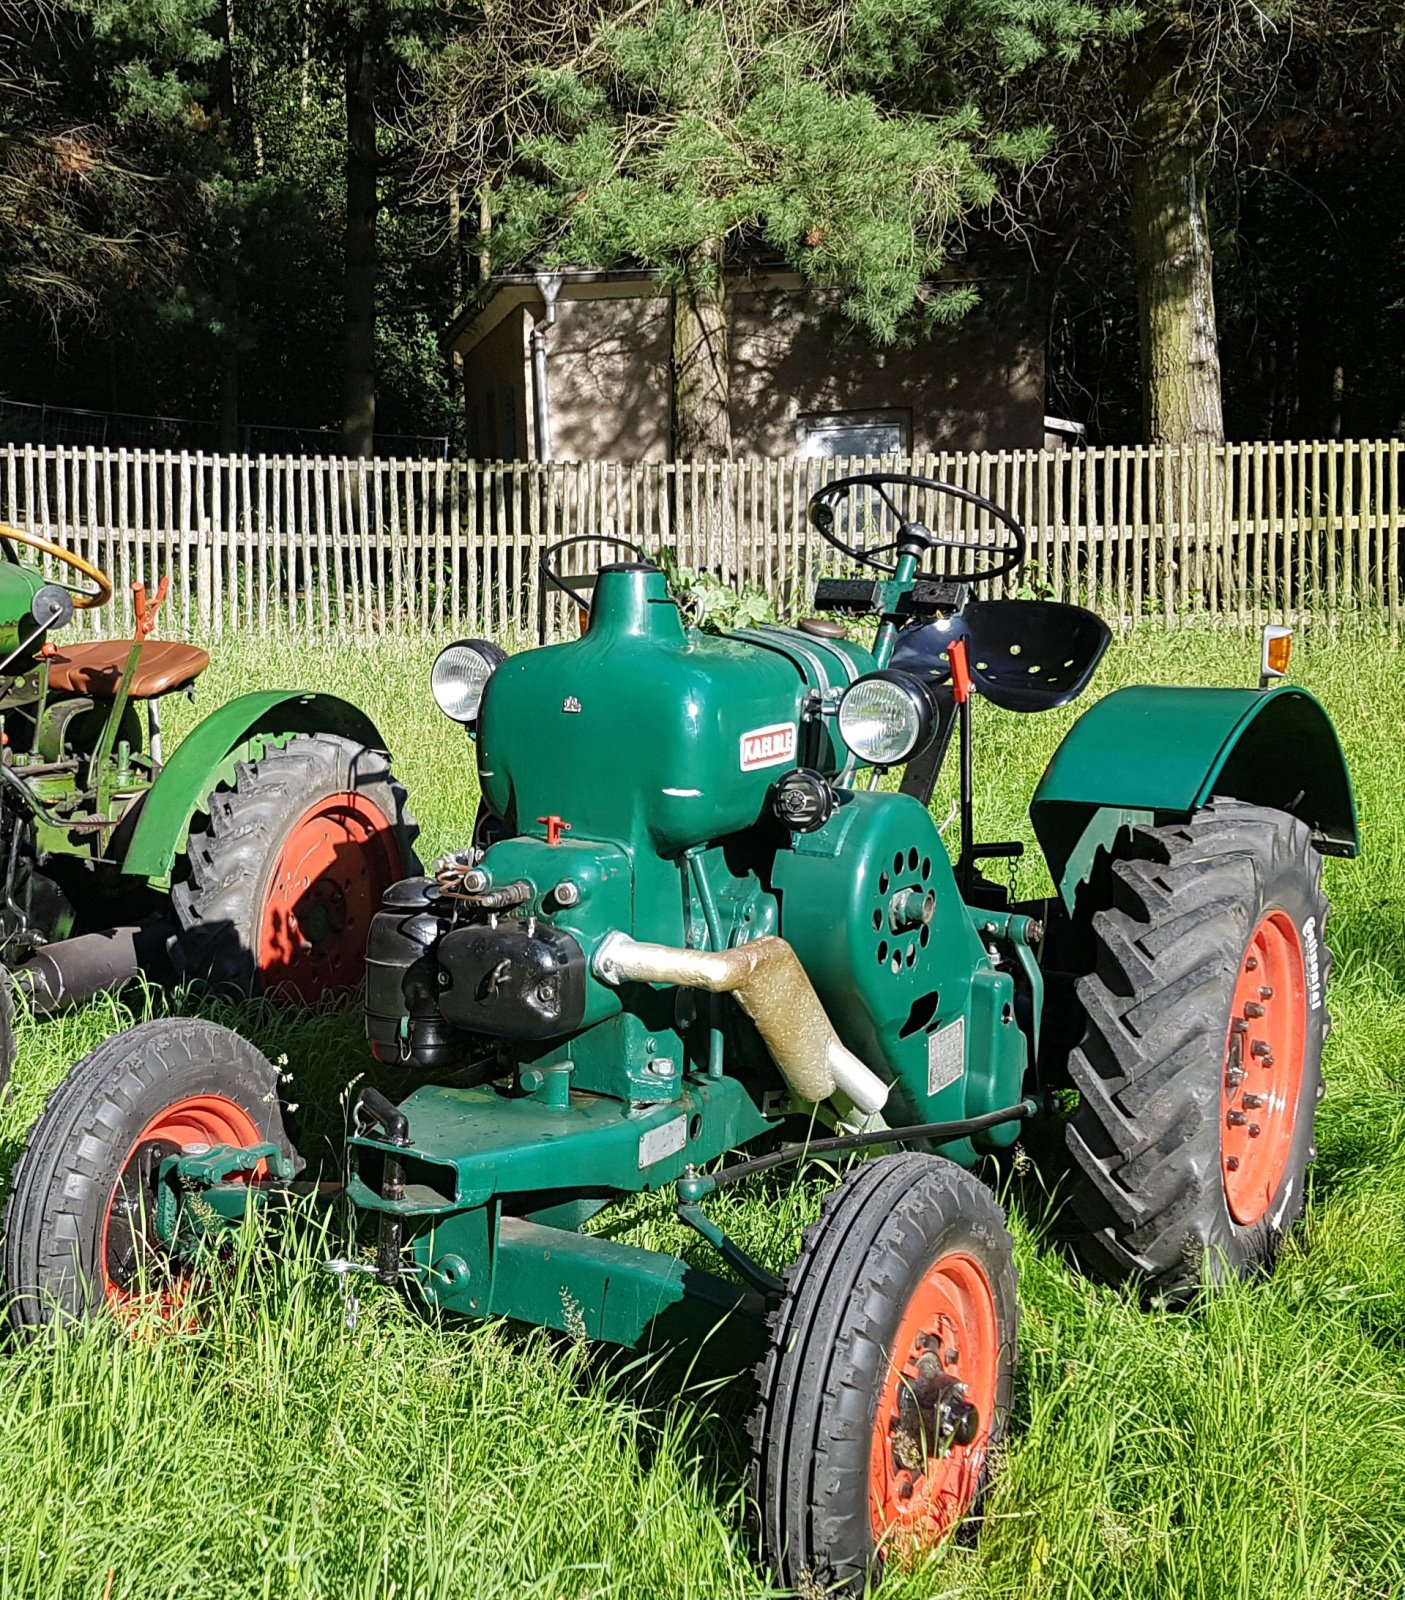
pixel 1263 1073
pixel 126 1250
pixel 338 860
pixel 936 1406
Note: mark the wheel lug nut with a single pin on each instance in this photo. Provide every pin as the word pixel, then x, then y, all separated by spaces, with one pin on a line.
pixel 1252 964
pixel 904 1491
pixel 1252 1102
pixel 1265 993
pixel 1253 1130
pixel 1259 1047
pixel 1236 1119
pixel 1231 1163
pixel 1252 1008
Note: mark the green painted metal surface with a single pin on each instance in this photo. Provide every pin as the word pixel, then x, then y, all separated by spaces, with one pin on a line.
pixel 208 754
pixel 589 1287
pixel 643 733
pixel 469 1146
pixel 924 1006
pixel 1164 752
pixel 19 583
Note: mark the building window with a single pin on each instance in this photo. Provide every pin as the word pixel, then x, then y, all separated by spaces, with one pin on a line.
pixel 854 433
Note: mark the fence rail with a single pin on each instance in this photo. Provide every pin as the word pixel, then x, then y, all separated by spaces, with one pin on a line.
pixel 1236 536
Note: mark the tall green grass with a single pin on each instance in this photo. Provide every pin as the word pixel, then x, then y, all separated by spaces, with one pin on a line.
pixel 1252 1447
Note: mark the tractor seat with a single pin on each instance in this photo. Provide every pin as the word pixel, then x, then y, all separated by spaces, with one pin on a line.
pixel 1024 655
pixel 97 668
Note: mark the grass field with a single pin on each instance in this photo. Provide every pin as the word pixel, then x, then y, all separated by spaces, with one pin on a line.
pixel 1253 1447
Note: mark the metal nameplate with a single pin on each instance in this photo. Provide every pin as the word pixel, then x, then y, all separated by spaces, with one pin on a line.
pixel 665 1140
pixel 946 1056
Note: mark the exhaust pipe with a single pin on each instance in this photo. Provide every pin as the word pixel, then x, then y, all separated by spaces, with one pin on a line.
pixel 772 988
pixel 70 972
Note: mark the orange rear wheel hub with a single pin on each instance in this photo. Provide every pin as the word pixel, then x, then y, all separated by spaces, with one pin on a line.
pixel 338 860
pixel 1263 1074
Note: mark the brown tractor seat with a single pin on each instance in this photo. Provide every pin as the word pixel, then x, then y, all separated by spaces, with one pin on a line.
pixel 97 668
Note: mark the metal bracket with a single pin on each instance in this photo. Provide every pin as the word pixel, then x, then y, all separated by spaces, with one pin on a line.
pixel 752 1272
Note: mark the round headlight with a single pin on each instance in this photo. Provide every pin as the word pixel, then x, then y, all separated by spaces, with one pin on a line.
pixel 459 676
pixel 886 718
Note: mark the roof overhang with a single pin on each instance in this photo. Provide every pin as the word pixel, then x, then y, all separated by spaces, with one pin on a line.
pixel 511 290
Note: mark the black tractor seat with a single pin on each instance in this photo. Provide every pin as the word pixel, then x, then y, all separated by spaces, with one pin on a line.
pixel 1025 655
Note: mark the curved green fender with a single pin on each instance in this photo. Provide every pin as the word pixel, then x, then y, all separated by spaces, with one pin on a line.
pixel 239 730
pixel 1152 754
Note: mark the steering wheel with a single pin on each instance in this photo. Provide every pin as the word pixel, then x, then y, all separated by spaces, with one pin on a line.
pixel 1003 557
pixel 556 580
pixel 83 599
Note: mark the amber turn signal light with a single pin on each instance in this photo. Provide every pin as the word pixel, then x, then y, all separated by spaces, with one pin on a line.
pixel 1277 650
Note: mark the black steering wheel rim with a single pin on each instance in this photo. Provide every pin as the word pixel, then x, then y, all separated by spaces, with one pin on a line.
pixel 819 502
pixel 558 582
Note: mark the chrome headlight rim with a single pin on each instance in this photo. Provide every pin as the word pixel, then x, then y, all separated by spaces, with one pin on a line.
pixel 460 675
pixel 912 714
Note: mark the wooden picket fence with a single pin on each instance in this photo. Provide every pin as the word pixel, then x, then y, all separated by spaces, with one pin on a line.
pixel 1233 536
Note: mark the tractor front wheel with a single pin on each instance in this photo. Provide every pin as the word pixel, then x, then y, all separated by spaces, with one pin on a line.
pixel 1200 1067
pixel 79 1225
pixel 290 868
pixel 890 1374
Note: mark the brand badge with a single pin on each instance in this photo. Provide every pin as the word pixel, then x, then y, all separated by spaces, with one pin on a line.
pixel 570 703
pixel 768 747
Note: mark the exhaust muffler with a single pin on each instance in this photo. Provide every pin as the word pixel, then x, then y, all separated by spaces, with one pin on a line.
pixel 773 989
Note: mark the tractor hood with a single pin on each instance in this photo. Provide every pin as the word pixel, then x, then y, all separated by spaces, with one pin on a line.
pixel 644 727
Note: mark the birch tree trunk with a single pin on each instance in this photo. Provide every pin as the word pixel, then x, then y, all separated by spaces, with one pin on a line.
pixel 1174 261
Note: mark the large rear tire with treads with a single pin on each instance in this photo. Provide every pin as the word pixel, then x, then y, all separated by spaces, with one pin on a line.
pixel 890 1374
pixel 288 870
pixel 1200 1067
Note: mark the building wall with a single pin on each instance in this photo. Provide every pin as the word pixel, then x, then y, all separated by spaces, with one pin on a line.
pixel 795 363
pixel 496 397
pixel 978 385
pixel 608 371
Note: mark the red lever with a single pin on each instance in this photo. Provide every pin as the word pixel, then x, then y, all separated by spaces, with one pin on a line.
pixel 555 827
pixel 146 614
pixel 960 671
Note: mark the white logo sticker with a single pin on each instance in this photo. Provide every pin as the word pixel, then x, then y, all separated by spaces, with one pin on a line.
pixel 946 1055
pixel 768 747
pixel 666 1140
pixel 1313 965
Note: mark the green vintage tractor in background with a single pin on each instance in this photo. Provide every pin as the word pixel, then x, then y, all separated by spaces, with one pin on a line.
pixel 252 859
pixel 693 914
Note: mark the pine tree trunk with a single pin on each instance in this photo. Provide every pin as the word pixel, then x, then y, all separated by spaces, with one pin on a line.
pixel 1175 288
pixel 702 420
pixel 359 335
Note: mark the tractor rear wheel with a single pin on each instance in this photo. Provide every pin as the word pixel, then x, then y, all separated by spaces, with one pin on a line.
pixel 1200 1067
pixel 289 870
pixel 890 1374
pixel 78 1227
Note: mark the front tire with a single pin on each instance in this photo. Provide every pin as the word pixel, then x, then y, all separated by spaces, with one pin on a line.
pixel 890 1374
pixel 78 1227
pixel 1200 1068
pixel 289 870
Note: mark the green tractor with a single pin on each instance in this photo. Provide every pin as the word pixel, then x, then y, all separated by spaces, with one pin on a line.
pixel 253 859
pixel 692 915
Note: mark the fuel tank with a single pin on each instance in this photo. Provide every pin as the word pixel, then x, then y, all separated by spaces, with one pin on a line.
pixel 651 734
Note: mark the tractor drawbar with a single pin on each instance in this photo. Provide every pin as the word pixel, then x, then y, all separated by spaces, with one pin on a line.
pixel 772 988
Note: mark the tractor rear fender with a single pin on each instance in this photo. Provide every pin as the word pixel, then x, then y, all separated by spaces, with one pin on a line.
pixel 1156 754
pixel 239 730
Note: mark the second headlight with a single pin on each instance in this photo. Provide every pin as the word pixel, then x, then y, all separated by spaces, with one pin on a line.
pixel 887 717
pixel 459 676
